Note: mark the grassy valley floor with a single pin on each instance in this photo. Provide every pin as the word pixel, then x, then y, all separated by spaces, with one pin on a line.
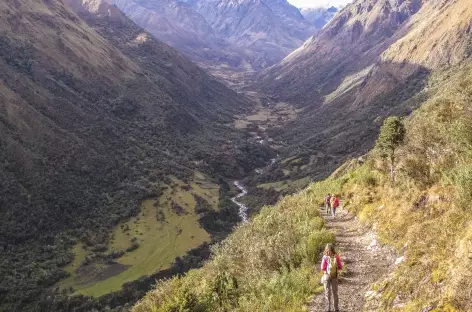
pixel 164 229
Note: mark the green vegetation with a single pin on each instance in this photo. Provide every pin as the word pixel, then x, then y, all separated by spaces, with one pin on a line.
pixel 392 134
pixel 284 185
pixel 18 55
pixel 267 116
pixel 159 244
pixel 425 215
pixel 93 122
pixel 264 265
pixel 165 229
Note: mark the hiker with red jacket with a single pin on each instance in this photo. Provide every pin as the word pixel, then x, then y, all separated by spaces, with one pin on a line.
pixel 327 202
pixel 334 204
pixel 330 266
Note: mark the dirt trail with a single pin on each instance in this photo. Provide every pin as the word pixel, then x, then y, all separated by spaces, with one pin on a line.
pixel 365 262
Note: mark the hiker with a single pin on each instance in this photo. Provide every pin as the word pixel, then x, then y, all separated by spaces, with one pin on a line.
pixel 327 202
pixel 334 204
pixel 330 266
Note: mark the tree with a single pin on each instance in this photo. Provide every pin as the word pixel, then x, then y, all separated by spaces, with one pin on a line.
pixel 392 135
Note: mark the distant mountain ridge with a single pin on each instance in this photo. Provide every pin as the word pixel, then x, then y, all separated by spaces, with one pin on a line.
pixel 319 17
pixel 367 63
pixel 239 34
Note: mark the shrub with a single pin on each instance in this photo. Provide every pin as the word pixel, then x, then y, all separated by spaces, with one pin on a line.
pixel 463 183
pixel 365 176
pixel 315 244
pixel 134 246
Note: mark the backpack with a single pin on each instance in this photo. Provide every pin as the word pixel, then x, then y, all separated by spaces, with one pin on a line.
pixel 332 268
pixel 335 203
pixel 327 200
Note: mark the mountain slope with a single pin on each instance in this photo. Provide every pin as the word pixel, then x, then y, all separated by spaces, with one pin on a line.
pixel 367 63
pixel 424 217
pixel 318 17
pixel 249 34
pixel 95 115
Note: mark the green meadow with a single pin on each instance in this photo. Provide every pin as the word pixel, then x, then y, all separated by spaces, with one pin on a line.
pixel 164 229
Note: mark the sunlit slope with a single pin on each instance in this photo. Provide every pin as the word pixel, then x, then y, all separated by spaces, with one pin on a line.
pixel 425 215
pixel 372 60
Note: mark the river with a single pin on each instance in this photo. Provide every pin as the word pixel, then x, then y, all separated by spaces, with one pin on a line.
pixel 243 209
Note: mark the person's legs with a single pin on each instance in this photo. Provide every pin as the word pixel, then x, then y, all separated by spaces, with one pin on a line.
pixel 334 286
pixel 334 211
pixel 327 289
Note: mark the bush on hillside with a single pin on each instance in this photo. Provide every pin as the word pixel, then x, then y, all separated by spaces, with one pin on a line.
pixel 463 183
pixel 263 265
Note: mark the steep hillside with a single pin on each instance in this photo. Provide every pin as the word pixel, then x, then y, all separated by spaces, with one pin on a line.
pixel 425 216
pixel 95 116
pixel 243 35
pixel 179 25
pixel 367 63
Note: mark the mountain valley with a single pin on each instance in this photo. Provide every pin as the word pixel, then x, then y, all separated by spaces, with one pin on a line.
pixel 96 116
pixel 124 125
pixel 225 36
pixel 372 60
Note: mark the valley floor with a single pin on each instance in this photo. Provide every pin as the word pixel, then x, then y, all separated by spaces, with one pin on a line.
pixel 364 262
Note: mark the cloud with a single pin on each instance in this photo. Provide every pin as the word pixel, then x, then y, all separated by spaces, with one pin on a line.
pixel 318 3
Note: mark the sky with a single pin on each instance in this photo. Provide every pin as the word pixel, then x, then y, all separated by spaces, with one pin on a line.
pixel 317 3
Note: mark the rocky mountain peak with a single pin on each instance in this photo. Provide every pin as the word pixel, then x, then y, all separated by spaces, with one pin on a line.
pixel 92 6
pixel 238 34
pixel 367 63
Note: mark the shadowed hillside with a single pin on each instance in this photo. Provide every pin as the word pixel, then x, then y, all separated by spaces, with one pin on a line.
pixel 370 61
pixel 95 115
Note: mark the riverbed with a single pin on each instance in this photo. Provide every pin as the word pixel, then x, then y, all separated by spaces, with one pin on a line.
pixel 243 209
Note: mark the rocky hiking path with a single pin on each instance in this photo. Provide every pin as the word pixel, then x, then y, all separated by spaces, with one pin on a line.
pixel 365 263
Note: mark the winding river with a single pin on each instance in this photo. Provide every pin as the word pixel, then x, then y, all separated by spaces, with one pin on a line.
pixel 243 209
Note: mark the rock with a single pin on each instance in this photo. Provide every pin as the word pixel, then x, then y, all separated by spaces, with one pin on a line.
pixel 371 294
pixel 397 304
pixel 428 308
pixel 400 260
pixel 238 34
pixel 373 245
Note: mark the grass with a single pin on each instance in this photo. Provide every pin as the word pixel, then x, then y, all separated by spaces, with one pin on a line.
pixel 79 256
pixel 160 241
pixel 278 186
pixel 268 115
pixel 348 84
pixel 283 185
pixel 425 217
pixel 264 265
